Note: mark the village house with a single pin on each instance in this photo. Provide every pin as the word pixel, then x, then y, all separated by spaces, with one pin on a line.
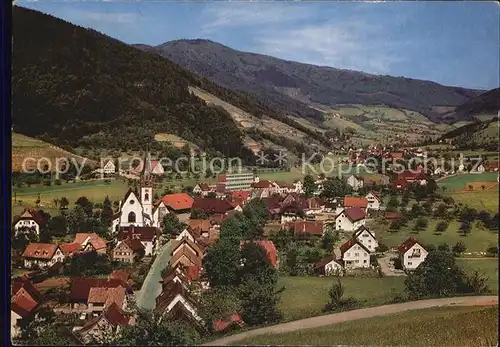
pixel 493 167
pixel 373 201
pixel 25 301
pixel 271 251
pixel 299 187
pixel 354 201
pixel 329 266
pixel 154 168
pixel 186 253
pixel 356 182
pixel 412 254
pixel 80 290
pixel 350 219
pixel 84 242
pixel 366 237
pixel 213 206
pixel 178 203
pixel 355 254
pixel 314 206
pixel 479 169
pixel 203 189
pixel 29 220
pixel 305 228
pixel 128 250
pixel 42 255
pixel 106 326
pixel 146 235
pixel 410 177
pixel 109 167
pixel 400 184
pixel 202 227
pixel 100 298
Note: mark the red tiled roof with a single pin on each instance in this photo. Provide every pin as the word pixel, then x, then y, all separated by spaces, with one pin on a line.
pixel 23 305
pixel 408 175
pixel 493 166
pixel 222 324
pixel 178 201
pixel 193 272
pixel 202 225
pixel 396 155
pixel 134 244
pixel 315 202
pixel 351 242
pixel 307 227
pixel 221 178
pixel 107 296
pixel 122 275
pixel 185 241
pixel 272 253
pixel 355 213
pixel 354 201
pixel 28 287
pixel 80 286
pixel 40 250
pixel 392 215
pixel 409 243
pixel 400 182
pixel 240 195
pixel 262 184
pixel 188 253
pixel 70 248
pixel 115 316
pixel 220 188
pixel 96 241
pixel 144 234
pixel 212 205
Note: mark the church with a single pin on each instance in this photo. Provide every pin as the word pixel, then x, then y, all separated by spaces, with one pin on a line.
pixel 137 208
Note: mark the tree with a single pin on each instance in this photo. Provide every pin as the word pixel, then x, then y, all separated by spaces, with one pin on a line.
pixel 218 302
pixel 85 204
pixel 152 329
pixel 336 301
pixel 459 248
pixel 438 275
pixel 309 185
pixel 222 263
pixel 382 247
pixel 442 226
pixel 395 225
pixel 282 239
pixel 56 202
pixel 198 214
pixel 393 204
pixel 256 264
pixel 107 212
pixel 468 215
pixel 237 227
pixel 441 210
pixel 431 186
pixel 333 188
pixel 259 302
pixel 405 198
pixel 465 228
pixel 257 214
pixel 87 264
pixel 292 262
pixel 63 203
pixel 421 224
pixel 443 247
pixel 171 225
pixel 328 240
pixel 58 226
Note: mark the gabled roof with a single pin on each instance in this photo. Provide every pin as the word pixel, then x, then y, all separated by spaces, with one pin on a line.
pixel 360 230
pixel 351 242
pixel 188 253
pixel 354 201
pixel 374 194
pixel 396 155
pixel 409 243
pixel 23 305
pixel 121 274
pixel 204 186
pixel 113 314
pixel 70 248
pixel 327 260
pixel 177 201
pixel 203 225
pixel 307 227
pixel 197 248
pixel 29 288
pixel 212 205
pixel 40 250
pixel 107 296
pixel 355 214
pixel 240 195
pixel 168 294
pixel 315 202
pixel 262 184
pixel 96 241
pixel 393 215
pixel 132 243
pixel 80 286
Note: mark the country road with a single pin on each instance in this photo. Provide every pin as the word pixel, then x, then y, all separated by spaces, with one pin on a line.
pixel 151 288
pixel 335 318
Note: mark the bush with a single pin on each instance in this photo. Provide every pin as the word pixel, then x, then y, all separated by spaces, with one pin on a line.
pixel 382 247
pixel 476 283
pixel 442 226
pixel 336 301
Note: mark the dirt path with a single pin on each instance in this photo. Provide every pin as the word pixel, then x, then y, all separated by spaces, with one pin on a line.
pixel 335 318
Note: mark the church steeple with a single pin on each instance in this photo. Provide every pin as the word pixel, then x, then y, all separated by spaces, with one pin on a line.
pixel 146 169
pixel 147 185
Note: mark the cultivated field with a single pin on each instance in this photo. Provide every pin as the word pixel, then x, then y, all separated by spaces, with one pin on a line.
pixel 478 240
pixel 443 326
pixel 461 181
pixel 480 200
pixel 174 139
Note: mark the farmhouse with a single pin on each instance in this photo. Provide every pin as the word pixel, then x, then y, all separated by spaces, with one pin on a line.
pixel 355 254
pixel 42 255
pixel 350 219
pixel 29 220
pixel 80 290
pixel 329 266
pixel 109 167
pixel 366 237
pixel 128 250
pixel 25 301
pixel 146 235
pixel 412 254
pixel 304 228
pixel 356 182
pixel 178 203
pixel 373 201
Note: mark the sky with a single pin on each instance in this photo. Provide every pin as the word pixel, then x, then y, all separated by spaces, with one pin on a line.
pixel 452 43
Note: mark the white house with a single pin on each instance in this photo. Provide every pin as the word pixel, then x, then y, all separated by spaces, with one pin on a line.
pixel 109 167
pixel 367 238
pixel 356 182
pixel 412 254
pixel 329 266
pixel 355 254
pixel 159 211
pixel 373 201
pixel 479 169
pixel 350 219
pixel 203 189
pixel 27 222
pixel 299 188
pixel 147 236
pixel 42 255
pixel 185 233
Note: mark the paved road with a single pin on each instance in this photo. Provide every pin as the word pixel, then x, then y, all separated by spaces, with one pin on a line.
pixel 335 318
pixel 151 288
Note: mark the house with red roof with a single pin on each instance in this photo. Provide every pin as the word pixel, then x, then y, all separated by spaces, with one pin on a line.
pixel 156 168
pixel 28 220
pixel 148 236
pixel 271 251
pixel 212 206
pixel 128 250
pixel 203 189
pixel 228 323
pixel 350 219
pixel 417 177
pixel 355 254
pixel 80 289
pixel 105 327
pixel 493 167
pixel 42 255
pixel 412 254
pixel 25 301
pixel 85 242
pixel 304 228
pixel 366 237
pixel 329 266
pixel 400 184
pixel 355 201
pixel 178 203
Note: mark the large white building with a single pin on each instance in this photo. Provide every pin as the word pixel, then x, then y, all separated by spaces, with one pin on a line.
pixel 237 181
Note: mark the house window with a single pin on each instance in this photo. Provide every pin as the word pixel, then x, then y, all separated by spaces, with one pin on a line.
pixel 409 263
pixel 356 261
pixel 364 261
pixel 131 216
pixel 132 202
pixel 146 197
pixel 356 254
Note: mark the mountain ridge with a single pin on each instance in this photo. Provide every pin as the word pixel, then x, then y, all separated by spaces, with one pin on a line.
pixel 281 81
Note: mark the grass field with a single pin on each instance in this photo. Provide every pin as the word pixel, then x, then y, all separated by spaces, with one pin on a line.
pixel 489 267
pixel 460 181
pixel 478 240
pixel 306 296
pixel 442 326
pixel 480 200
pixel 95 191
